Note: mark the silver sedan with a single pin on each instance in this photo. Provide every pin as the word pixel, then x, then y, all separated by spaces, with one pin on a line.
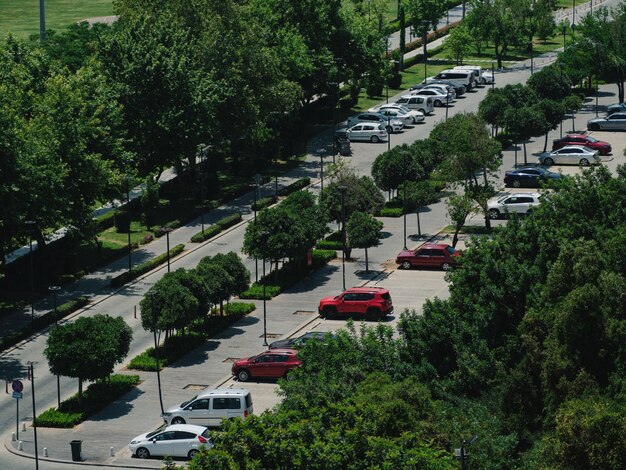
pixel 614 122
pixel 571 154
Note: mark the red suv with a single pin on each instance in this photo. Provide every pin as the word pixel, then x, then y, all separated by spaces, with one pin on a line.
pixel 275 363
pixel 604 148
pixel 436 255
pixel 373 302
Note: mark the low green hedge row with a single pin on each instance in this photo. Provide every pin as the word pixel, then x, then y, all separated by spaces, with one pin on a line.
pixel 143 268
pixel 42 321
pixel 295 186
pixel 264 202
pixel 169 226
pixel 256 292
pixel 217 227
pixel 97 396
pixel 329 245
pixel 416 59
pixel 235 308
pixel 322 257
pixel 390 212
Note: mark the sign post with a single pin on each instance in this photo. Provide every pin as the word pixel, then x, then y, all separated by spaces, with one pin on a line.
pixel 17 388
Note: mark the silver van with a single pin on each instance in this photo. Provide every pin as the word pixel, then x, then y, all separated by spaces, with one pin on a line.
pixel 478 72
pixel 460 77
pixel 425 104
pixel 211 408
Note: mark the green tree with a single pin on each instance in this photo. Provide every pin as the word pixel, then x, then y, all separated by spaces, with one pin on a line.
pixel 219 281
pixel 233 265
pixel 418 194
pixel 88 348
pixel 167 306
pixel 363 231
pixel 458 44
pixel 393 167
pixel 550 83
pixel 459 209
pixel 424 15
pixel 553 113
pixel 524 123
pixel 492 108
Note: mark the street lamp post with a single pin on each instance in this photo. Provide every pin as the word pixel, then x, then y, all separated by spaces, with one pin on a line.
pixel 130 249
pixel 447 102
pixel 334 86
pixel 564 31
pixel 573 12
pixel 596 96
pixel 31 224
pixel 203 152
pixel 424 39
pixel 561 70
pixel 264 236
pixel 55 290
pixel 42 21
pixel 31 374
pixel 322 153
pixel 404 195
pixel 167 231
pixel 493 76
pixel 151 295
pixel 343 189
pixel 530 45
pixel 257 180
pixel 389 132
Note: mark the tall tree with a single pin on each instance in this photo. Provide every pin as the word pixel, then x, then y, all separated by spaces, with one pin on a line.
pixel 363 231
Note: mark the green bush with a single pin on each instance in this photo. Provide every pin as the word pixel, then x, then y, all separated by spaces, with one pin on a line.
pixel 390 212
pixel 209 232
pixel 143 268
pixel 229 221
pixel 329 245
pixel 97 396
pixel 256 292
pixel 235 308
pixel 295 186
pixel 172 349
pixel 264 202
pixel 105 221
pixel 322 257
pixel 42 321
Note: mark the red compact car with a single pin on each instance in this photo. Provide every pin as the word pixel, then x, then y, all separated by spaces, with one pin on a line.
pixel 373 302
pixel 604 148
pixel 433 255
pixel 274 363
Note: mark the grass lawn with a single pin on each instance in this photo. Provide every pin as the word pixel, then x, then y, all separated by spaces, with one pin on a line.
pixel 21 17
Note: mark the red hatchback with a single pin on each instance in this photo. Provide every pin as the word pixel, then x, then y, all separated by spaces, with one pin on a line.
pixel 274 363
pixel 604 148
pixel 434 255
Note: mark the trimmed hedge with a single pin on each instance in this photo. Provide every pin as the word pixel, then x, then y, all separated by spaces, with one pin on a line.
pixel 42 321
pixel 264 202
pixel 97 396
pixel 143 268
pixel 417 59
pixel 322 257
pixel 391 212
pixel 256 292
pixel 217 227
pixel 329 245
pixel 295 186
pixel 160 231
pixel 235 308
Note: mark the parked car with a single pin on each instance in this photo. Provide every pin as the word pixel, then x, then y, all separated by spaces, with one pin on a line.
pixel 179 440
pixel 372 302
pixel 512 204
pixel 529 177
pixel 429 255
pixel 613 122
pixel 581 140
pixel 415 116
pixel 274 364
pixel 572 154
pixel 477 70
pixel 392 125
pixel 616 108
pixel 458 88
pixel 298 342
pixel 460 77
pixel 425 104
pixel 368 132
pixel 439 98
pixel 444 89
pixel 488 77
pixel 211 408
pixel 398 115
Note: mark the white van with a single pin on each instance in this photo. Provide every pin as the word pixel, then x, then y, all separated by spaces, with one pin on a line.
pixel 458 77
pixel 477 69
pixel 211 408
pixel 425 104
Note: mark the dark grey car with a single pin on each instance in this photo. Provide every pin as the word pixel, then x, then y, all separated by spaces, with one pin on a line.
pixel 300 340
pixel 614 122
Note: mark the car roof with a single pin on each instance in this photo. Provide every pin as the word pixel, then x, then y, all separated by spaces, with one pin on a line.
pixel 577 147
pixel 578 136
pixel 282 351
pixel 439 246
pixel 225 391
pixel 186 427
pixel 366 289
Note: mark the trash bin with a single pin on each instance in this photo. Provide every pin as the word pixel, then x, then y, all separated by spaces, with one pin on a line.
pixel 76 445
pixel 344 147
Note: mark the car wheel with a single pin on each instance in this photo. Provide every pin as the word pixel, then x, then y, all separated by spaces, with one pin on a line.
pixel 406 265
pixel 494 214
pixel 192 453
pixel 516 183
pixel 389 129
pixel 178 420
pixel 594 127
pixel 374 139
pixel 438 104
pixel 243 375
pixel 548 161
pixel 142 453
pixel 446 266
pixel 374 313
pixel 584 162
pixel 329 312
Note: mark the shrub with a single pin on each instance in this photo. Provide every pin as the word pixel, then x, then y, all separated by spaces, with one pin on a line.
pixel 390 212
pixel 143 268
pixel 146 239
pixel 172 349
pixel 264 202
pixel 329 245
pixel 97 396
pixel 322 257
pixel 256 292
pixel 229 221
pixel 209 232
pixel 106 221
pixel 235 308
pixel 160 231
pixel 295 186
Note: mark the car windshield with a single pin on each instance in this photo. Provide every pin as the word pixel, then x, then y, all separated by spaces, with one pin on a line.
pixel 587 149
pixel 450 250
pixel 591 139
pixel 156 431
pixel 185 403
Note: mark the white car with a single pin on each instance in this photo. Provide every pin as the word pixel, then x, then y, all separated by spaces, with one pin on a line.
pixel 520 203
pixel 392 125
pixel 179 440
pixel 570 154
pixel 408 116
pixel 439 98
pixel 445 89
pixel 368 132
pixel 488 77
pixel 211 408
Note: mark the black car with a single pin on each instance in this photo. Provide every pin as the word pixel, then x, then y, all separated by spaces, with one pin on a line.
pixel 530 177
pixel 294 343
pixel 459 89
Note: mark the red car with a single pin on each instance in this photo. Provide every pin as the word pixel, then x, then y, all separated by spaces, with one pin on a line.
pixel 274 363
pixel 604 148
pixel 434 255
pixel 374 302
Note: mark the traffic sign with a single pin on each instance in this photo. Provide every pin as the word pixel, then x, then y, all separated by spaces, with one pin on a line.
pixel 17 395
pixel 17 386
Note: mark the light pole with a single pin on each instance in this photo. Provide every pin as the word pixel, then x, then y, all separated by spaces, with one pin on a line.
pixel 334 86
pixel 404 195
pixel 203 152
pixel 389 132
pixel 573 12
pixel 55 290
pixel 425 38
pixel 167 231
pixel 530 45
pixel 257 179
pixel 31 224
pixel 129 221
pixel 596 96
pixel 151 296
pixel 264 236
pixel 447 102
pixel 343 189
pixel 493 76
pixel 31 373
pixel 322 152
pixel 42 21
pixel 561 70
